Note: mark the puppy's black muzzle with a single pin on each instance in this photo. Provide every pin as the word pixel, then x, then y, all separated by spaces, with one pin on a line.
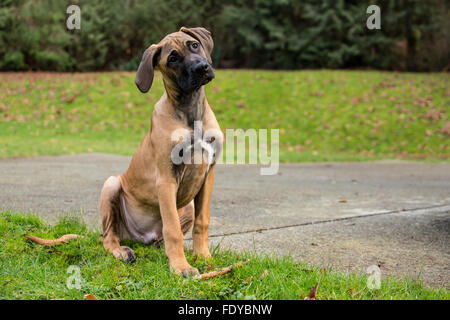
pixel 203 72
pixel 197 73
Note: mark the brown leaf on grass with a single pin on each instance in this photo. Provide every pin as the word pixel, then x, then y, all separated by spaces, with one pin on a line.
pixel 356 100
pixel 265 273
pixel 90 296
pixel 343 201
pixel 69 99
pixel 240 104
pixel 353 292
pixel 446 129
pixel 209 267
pixel 312 294
pixel 434 114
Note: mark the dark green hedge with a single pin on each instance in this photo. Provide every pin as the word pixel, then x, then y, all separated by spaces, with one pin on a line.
pixel 276 34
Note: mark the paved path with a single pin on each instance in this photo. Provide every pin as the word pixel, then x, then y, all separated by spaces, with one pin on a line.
pixel 343 215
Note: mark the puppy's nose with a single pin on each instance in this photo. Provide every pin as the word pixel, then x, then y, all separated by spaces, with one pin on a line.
pixel 201 67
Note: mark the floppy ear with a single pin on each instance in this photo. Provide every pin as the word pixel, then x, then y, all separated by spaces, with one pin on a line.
pixel 203 36
pixel 145 72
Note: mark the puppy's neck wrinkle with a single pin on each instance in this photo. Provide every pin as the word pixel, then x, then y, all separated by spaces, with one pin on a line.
pixel 188 107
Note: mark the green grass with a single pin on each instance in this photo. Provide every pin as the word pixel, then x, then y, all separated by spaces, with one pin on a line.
pixel 30 271
pixel 322 115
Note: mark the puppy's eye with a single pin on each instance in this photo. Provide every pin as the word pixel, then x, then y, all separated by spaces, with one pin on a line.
pixel 172 58
pixel 194 45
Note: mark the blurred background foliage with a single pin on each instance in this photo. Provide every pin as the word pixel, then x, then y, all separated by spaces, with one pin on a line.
pixel 266 34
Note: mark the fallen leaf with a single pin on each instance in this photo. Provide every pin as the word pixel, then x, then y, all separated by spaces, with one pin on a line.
pixel 353 292
pixel 434 114
pixel 312 294
pixel 209 267
pixel 356 293
pixel 446 129
pixel 90 296
pixel 240 104
pixel 343 201
pixel 265 273
pixel 356 101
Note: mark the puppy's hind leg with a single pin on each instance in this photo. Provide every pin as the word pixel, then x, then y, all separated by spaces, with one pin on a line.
pixel 111 220
pixel 187 216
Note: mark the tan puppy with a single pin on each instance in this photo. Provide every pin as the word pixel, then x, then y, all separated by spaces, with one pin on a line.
pixel 158 199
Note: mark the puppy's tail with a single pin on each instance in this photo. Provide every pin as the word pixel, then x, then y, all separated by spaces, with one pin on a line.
pixel 49 242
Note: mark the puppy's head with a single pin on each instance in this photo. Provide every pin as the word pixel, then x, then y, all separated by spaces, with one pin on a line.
pixel 183 57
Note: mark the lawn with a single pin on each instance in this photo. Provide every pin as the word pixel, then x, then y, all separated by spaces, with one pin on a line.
pixel 30 271
pixel 321 115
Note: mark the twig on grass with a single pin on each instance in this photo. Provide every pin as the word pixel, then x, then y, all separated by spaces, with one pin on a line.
pixel 49 242
pixel 222 271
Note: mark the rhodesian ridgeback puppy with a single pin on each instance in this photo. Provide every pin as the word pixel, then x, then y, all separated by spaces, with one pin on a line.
pixel 158 199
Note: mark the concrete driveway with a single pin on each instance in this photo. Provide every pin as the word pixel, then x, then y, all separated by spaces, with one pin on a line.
pixel 347 216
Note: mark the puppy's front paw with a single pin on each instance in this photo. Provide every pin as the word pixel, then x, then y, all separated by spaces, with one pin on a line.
pixel 190 272
pixel 124 253
pixel 185 270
